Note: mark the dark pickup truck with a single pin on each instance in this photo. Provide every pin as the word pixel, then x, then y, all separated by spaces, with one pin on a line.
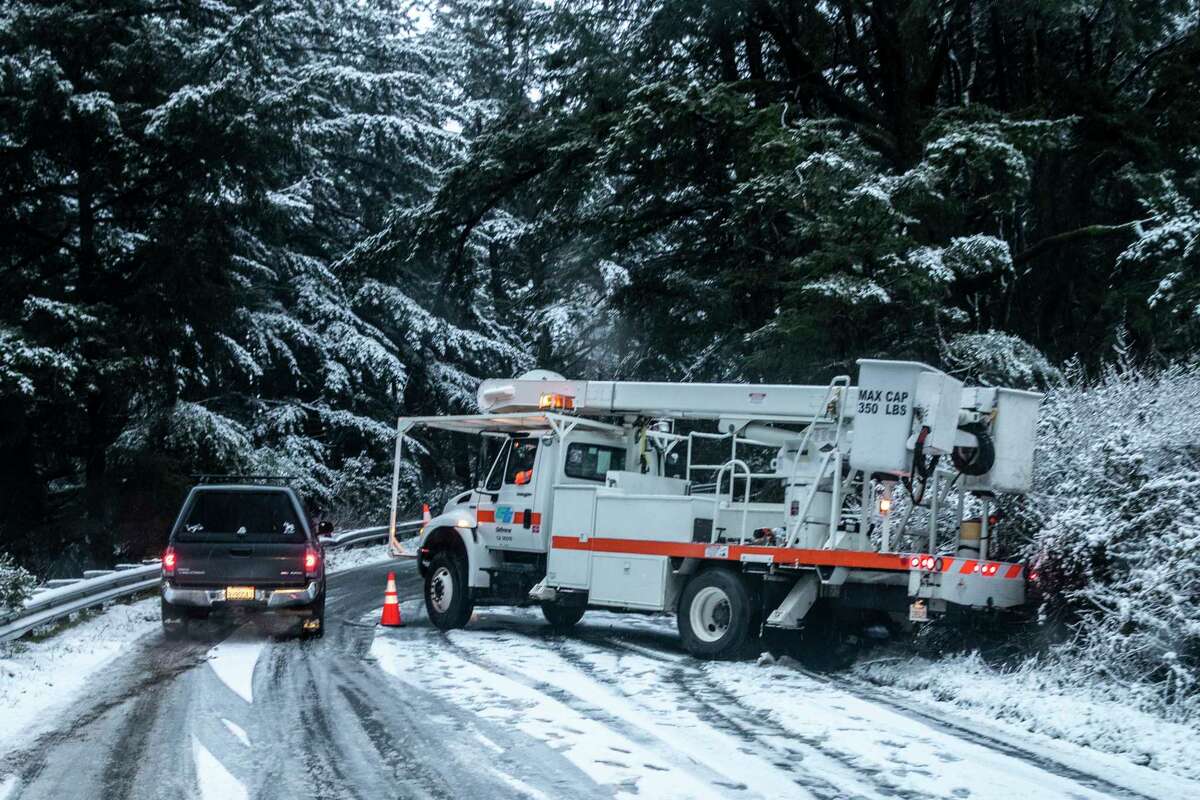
pixel 243 549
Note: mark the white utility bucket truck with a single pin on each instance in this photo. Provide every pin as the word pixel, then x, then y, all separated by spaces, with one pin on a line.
pixel 603 494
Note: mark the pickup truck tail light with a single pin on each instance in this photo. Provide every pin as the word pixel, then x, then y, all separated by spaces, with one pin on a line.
pixel 168 562
pixel 312 560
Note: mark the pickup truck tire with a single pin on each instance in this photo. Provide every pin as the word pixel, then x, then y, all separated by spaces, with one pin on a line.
pixel 174 621
pixel 318 613
pixel 562 618
pixel 714 614
pixel 447 596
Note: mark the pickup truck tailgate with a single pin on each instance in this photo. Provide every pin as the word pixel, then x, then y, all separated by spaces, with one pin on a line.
pixel 230 563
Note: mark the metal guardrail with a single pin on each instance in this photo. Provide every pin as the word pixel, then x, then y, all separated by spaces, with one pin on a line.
pixel 61 598
pixel 52 604
pixel 350 538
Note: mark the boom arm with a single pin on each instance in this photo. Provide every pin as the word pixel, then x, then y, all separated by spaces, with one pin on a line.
pixel 681 400
pixel 898 410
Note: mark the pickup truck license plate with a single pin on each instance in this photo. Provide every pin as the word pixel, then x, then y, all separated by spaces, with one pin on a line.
pixel 239 592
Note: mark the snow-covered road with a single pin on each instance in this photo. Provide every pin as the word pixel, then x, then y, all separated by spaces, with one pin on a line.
pixel 507 709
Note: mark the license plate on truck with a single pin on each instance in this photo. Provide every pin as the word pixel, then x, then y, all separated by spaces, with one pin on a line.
pixel 918 611
pixel 239 592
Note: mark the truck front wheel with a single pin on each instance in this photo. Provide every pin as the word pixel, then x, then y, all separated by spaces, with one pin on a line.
pixel 714 614
pixel 447 596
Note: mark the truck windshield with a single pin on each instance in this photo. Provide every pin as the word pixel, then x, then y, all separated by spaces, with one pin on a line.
pixel 242 516
pixel 495 475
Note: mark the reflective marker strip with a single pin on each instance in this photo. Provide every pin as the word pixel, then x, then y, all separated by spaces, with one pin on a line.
pixel 971 566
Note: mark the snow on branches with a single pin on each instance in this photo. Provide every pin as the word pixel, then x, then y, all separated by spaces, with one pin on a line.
pixel 1111 530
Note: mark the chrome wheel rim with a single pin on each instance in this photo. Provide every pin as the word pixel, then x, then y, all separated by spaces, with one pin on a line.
pixel 441 590
pixel 710 614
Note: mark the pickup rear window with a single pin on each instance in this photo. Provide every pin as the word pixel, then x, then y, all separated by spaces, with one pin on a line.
pixel 242 516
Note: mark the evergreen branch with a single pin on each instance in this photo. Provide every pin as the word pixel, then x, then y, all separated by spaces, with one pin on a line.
pixel 1085 232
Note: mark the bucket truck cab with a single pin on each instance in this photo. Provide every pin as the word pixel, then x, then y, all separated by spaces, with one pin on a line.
pixel 597 494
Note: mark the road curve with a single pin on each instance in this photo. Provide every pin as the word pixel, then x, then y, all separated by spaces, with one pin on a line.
pixel 504 709
pixel 245 713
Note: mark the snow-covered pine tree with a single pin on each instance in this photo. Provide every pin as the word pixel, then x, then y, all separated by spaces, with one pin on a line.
pixel 181 180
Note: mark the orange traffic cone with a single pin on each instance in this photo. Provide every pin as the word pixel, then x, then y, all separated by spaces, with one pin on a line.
pixel 425 516
pixel 391 605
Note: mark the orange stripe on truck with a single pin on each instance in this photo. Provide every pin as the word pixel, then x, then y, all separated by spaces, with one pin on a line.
pixel 783 556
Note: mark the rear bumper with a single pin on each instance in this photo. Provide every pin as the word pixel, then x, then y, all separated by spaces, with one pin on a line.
pixel 264 599
pixel 964 582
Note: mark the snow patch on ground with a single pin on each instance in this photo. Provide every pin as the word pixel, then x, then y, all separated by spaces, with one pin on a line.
pixel 423 662
pixel 40 678
pixel 622 703
pixel 215 782
pixel 1036 700
pixel 338 560
pixel 233 660
pixel 7 786
pixel 237 730
pixel 521 786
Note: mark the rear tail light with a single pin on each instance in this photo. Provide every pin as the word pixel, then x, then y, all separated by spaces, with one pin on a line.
pixel 926 562
pixel 312 560
pixel 168 562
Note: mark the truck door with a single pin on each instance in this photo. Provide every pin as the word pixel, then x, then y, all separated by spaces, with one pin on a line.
pixel 514 521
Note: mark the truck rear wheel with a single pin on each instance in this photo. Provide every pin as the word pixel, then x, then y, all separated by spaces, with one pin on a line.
pixel 714 614
pixel 562 618
pixel 447 596
pixel 313 626
pixel 174 621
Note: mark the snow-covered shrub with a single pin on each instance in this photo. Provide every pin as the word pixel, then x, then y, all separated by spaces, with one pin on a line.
pixel 1000 359
pixel 16 583
pixel 1112 530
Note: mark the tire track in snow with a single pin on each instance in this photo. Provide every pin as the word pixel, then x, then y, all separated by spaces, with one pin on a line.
pixel 721 710
pixel 725 702
pixel 917 753
pixel 695 751
pixel 694 690
pixel 866 692
pixel 108 714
